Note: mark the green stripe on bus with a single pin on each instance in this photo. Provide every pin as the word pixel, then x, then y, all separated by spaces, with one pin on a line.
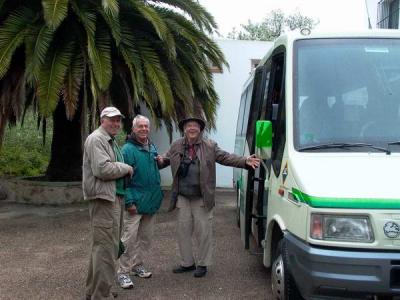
pixel 325 202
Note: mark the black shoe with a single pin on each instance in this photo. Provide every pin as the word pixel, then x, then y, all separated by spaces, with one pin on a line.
pixel 182 269
pixel 200 271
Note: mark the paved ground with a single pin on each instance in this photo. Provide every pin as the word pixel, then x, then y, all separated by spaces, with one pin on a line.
pixel 44 255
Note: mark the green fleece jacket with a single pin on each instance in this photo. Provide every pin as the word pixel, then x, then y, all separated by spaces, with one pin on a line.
pixel 143 189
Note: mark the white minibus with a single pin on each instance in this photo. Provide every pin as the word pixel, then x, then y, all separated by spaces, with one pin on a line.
pixel 322 110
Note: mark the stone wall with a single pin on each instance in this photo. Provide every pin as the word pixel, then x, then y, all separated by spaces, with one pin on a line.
pixel 24 190
pixel 3 193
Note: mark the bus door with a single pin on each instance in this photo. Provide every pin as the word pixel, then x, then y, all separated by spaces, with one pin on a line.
pixel 256 196
pixel 265 108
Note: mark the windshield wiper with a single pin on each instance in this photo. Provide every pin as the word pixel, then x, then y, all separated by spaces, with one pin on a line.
pixel 344 145
pixel 394 143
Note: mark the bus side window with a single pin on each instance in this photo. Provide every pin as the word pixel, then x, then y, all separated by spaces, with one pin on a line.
pixel 278 145
pixel 278 113
pixel 264 104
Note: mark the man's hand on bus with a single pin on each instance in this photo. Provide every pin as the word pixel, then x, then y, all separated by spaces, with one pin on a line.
pixel 253 161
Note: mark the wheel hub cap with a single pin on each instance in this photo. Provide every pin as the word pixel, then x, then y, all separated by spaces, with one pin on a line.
pixel 278 279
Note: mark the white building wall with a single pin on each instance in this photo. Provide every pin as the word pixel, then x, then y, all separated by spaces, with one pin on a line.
pixel 228 86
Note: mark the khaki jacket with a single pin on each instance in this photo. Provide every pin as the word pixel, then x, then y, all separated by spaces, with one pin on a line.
pixel 100 170
pixel 208 153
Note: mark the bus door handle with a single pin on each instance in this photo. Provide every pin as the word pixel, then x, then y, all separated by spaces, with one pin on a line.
pixel 258 179
pixel 258 217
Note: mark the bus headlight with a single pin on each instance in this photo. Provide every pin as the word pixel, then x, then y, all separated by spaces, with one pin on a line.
pixel 341 228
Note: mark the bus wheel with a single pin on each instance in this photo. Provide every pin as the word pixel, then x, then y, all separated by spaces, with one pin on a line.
pixel 282 282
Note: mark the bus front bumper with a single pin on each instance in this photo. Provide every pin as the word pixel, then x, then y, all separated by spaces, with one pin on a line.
pixel 321 272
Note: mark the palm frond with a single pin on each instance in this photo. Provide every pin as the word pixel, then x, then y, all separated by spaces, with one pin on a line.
pixel 113 23
pixel 194 66
pixel 72 84
pixel 200 16
pixel 178 26
pixel 199 42
pixel 55 11
pixel 120 91
pixel 133 60
pixel 155 75
pixel 95 92
pixel 86 15
pixel 12 35
pixel 99 52
pixel 152 16
pixel 51 77
pixel 213 53
pixel 111 7
pixel 181 82
pixel 37 43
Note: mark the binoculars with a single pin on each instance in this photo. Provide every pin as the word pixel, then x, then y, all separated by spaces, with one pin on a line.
pixel 184 167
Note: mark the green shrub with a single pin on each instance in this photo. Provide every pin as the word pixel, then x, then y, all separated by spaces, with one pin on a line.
pixel 23 152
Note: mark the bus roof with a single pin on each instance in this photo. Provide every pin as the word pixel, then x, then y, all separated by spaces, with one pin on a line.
pixel 290 37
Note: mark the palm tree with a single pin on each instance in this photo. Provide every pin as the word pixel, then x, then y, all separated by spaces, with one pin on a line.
pixel 71 58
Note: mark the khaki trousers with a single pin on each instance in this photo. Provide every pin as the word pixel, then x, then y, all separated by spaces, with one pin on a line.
pixel 105 220
pixel 137 236
pixel 194 220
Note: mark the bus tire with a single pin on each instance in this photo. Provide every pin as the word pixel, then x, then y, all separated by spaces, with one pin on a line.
pixel 283 285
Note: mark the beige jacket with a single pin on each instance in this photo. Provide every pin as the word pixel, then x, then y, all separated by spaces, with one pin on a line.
pixel 209 153
pixel 100 170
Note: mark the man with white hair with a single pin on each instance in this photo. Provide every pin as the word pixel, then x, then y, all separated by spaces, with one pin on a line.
pixel 143 199
pixel 103 186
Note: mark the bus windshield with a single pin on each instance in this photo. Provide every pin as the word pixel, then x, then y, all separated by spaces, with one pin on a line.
pixel 346 91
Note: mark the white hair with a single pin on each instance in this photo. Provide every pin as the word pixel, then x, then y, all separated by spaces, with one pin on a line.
pixel 139 117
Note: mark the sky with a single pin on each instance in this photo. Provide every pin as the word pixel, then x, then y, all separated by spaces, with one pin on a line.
pixel 332 14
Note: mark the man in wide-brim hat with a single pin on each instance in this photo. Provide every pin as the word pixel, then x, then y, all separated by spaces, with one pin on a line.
pixel 198 120
pixel 192 159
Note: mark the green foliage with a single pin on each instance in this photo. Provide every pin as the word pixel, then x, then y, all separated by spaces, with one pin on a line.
pixel 272 26
pixel 55 11
pixel 51 78
pixel 12 35
pixel 139 41
pixel 92 54
pixel 23 152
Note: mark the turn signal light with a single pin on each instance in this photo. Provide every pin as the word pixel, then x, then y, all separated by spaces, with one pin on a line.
pixel 316 227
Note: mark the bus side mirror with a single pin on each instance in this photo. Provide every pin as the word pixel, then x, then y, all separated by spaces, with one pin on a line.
pixel 263 139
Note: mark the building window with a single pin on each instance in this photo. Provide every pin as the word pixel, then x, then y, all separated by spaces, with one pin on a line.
pixel 215 69
pixel 388 14
pixel 394 14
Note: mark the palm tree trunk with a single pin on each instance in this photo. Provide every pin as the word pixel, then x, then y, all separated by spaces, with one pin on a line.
pixel 66 148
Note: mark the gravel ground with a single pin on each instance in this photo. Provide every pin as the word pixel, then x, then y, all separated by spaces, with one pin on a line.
pixel 44 255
